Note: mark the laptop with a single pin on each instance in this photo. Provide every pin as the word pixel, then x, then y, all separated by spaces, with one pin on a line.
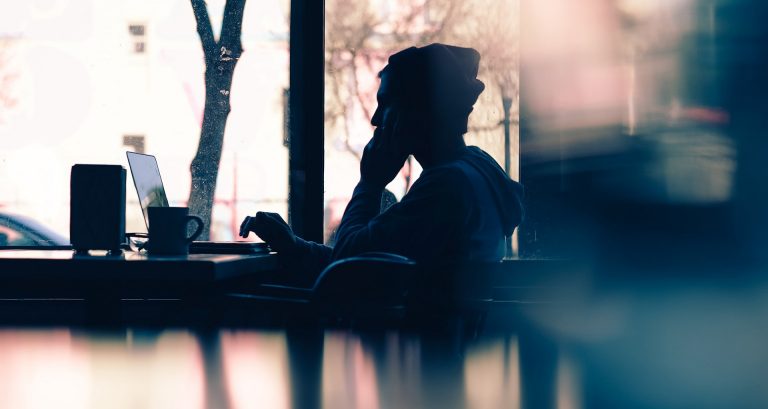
pixel 149 186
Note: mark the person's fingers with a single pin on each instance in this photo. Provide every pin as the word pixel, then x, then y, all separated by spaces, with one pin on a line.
pixel 265 215
pixel 277 218
pixel 398 127
pixel 372 143
pixel 271 224
pixel 259 224
pixel 262 225
pixel 245 227
pixel 272 229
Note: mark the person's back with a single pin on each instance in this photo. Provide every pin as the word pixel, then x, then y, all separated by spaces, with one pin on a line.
pixel 458 211
pixel 496 208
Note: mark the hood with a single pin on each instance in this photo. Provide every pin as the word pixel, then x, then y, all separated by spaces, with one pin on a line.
pixel 507 194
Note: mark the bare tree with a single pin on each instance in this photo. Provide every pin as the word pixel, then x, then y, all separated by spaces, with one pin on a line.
pixel 220 60
pixel 349 27
pixel 494 32
pixel 358 41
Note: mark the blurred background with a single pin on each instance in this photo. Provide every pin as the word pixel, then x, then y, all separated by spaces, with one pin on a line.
pixel 637 127
pixel 642 130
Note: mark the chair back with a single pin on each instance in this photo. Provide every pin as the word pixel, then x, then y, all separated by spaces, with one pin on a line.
pixel 362 283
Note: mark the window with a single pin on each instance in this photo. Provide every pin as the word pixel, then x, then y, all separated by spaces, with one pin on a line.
pixel 136 30
pixel 80 96
pixel 137 37
pixel 598 77
pixel 360 36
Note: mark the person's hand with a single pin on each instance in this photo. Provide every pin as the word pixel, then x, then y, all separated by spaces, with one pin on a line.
pixel 383 156
pixel 272 229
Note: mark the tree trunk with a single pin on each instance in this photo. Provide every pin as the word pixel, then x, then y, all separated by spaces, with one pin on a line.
pixel 220 60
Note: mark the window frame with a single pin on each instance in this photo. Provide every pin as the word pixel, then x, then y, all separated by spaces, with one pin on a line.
pixel 306 118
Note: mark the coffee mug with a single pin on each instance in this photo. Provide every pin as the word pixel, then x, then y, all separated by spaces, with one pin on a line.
pixel 168 230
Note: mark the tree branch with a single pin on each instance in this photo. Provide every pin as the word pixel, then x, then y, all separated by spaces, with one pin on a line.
pixel 204 30
pixel 356 87
pixel 220 60
pixel 438 30
pixel 231 27
pixel 343 112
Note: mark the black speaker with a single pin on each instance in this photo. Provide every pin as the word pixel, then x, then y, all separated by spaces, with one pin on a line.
pixel 97 207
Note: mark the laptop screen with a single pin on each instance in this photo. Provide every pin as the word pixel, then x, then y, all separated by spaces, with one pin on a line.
pixel 146 178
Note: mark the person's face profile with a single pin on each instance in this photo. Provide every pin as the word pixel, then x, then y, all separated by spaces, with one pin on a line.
pixel 384 114
pixel 392 115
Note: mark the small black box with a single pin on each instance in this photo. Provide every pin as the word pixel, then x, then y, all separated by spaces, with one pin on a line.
pixel 97 207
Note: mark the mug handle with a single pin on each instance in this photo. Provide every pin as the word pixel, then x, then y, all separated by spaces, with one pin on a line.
pixel 199 230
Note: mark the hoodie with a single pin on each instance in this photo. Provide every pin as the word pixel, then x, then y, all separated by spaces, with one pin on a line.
pixel 459 211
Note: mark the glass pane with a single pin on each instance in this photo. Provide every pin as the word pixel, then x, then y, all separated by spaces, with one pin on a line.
pixel 82 81
pixel 361 35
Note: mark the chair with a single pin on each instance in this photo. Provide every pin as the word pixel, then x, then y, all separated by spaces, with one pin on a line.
pixel 372 285
pixel 387 289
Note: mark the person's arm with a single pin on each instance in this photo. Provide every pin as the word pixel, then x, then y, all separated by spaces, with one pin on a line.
pixel 361 209
pixel 424 225
pixel 416 227
pixel 309 256
pixel 301 257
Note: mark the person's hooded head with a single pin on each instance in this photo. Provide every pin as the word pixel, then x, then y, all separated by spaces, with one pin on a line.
pixel 430 92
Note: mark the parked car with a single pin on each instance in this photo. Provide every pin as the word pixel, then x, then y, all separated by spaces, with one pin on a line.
pixel 18 230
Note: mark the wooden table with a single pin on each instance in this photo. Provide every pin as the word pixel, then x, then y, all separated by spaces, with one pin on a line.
pixel 58 287
pixel 61 273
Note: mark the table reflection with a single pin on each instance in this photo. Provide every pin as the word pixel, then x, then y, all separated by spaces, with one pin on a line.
pixel 65 369
pixel 256 369
pixel 252 369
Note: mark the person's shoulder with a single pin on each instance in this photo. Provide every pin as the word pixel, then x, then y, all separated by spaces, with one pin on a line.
pixel 449 179
pixel 450 173
pixel 445 189
pixel 456 171
pixel 474 153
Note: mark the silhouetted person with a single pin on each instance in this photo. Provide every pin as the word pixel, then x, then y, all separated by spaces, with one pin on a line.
pixel 463 204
